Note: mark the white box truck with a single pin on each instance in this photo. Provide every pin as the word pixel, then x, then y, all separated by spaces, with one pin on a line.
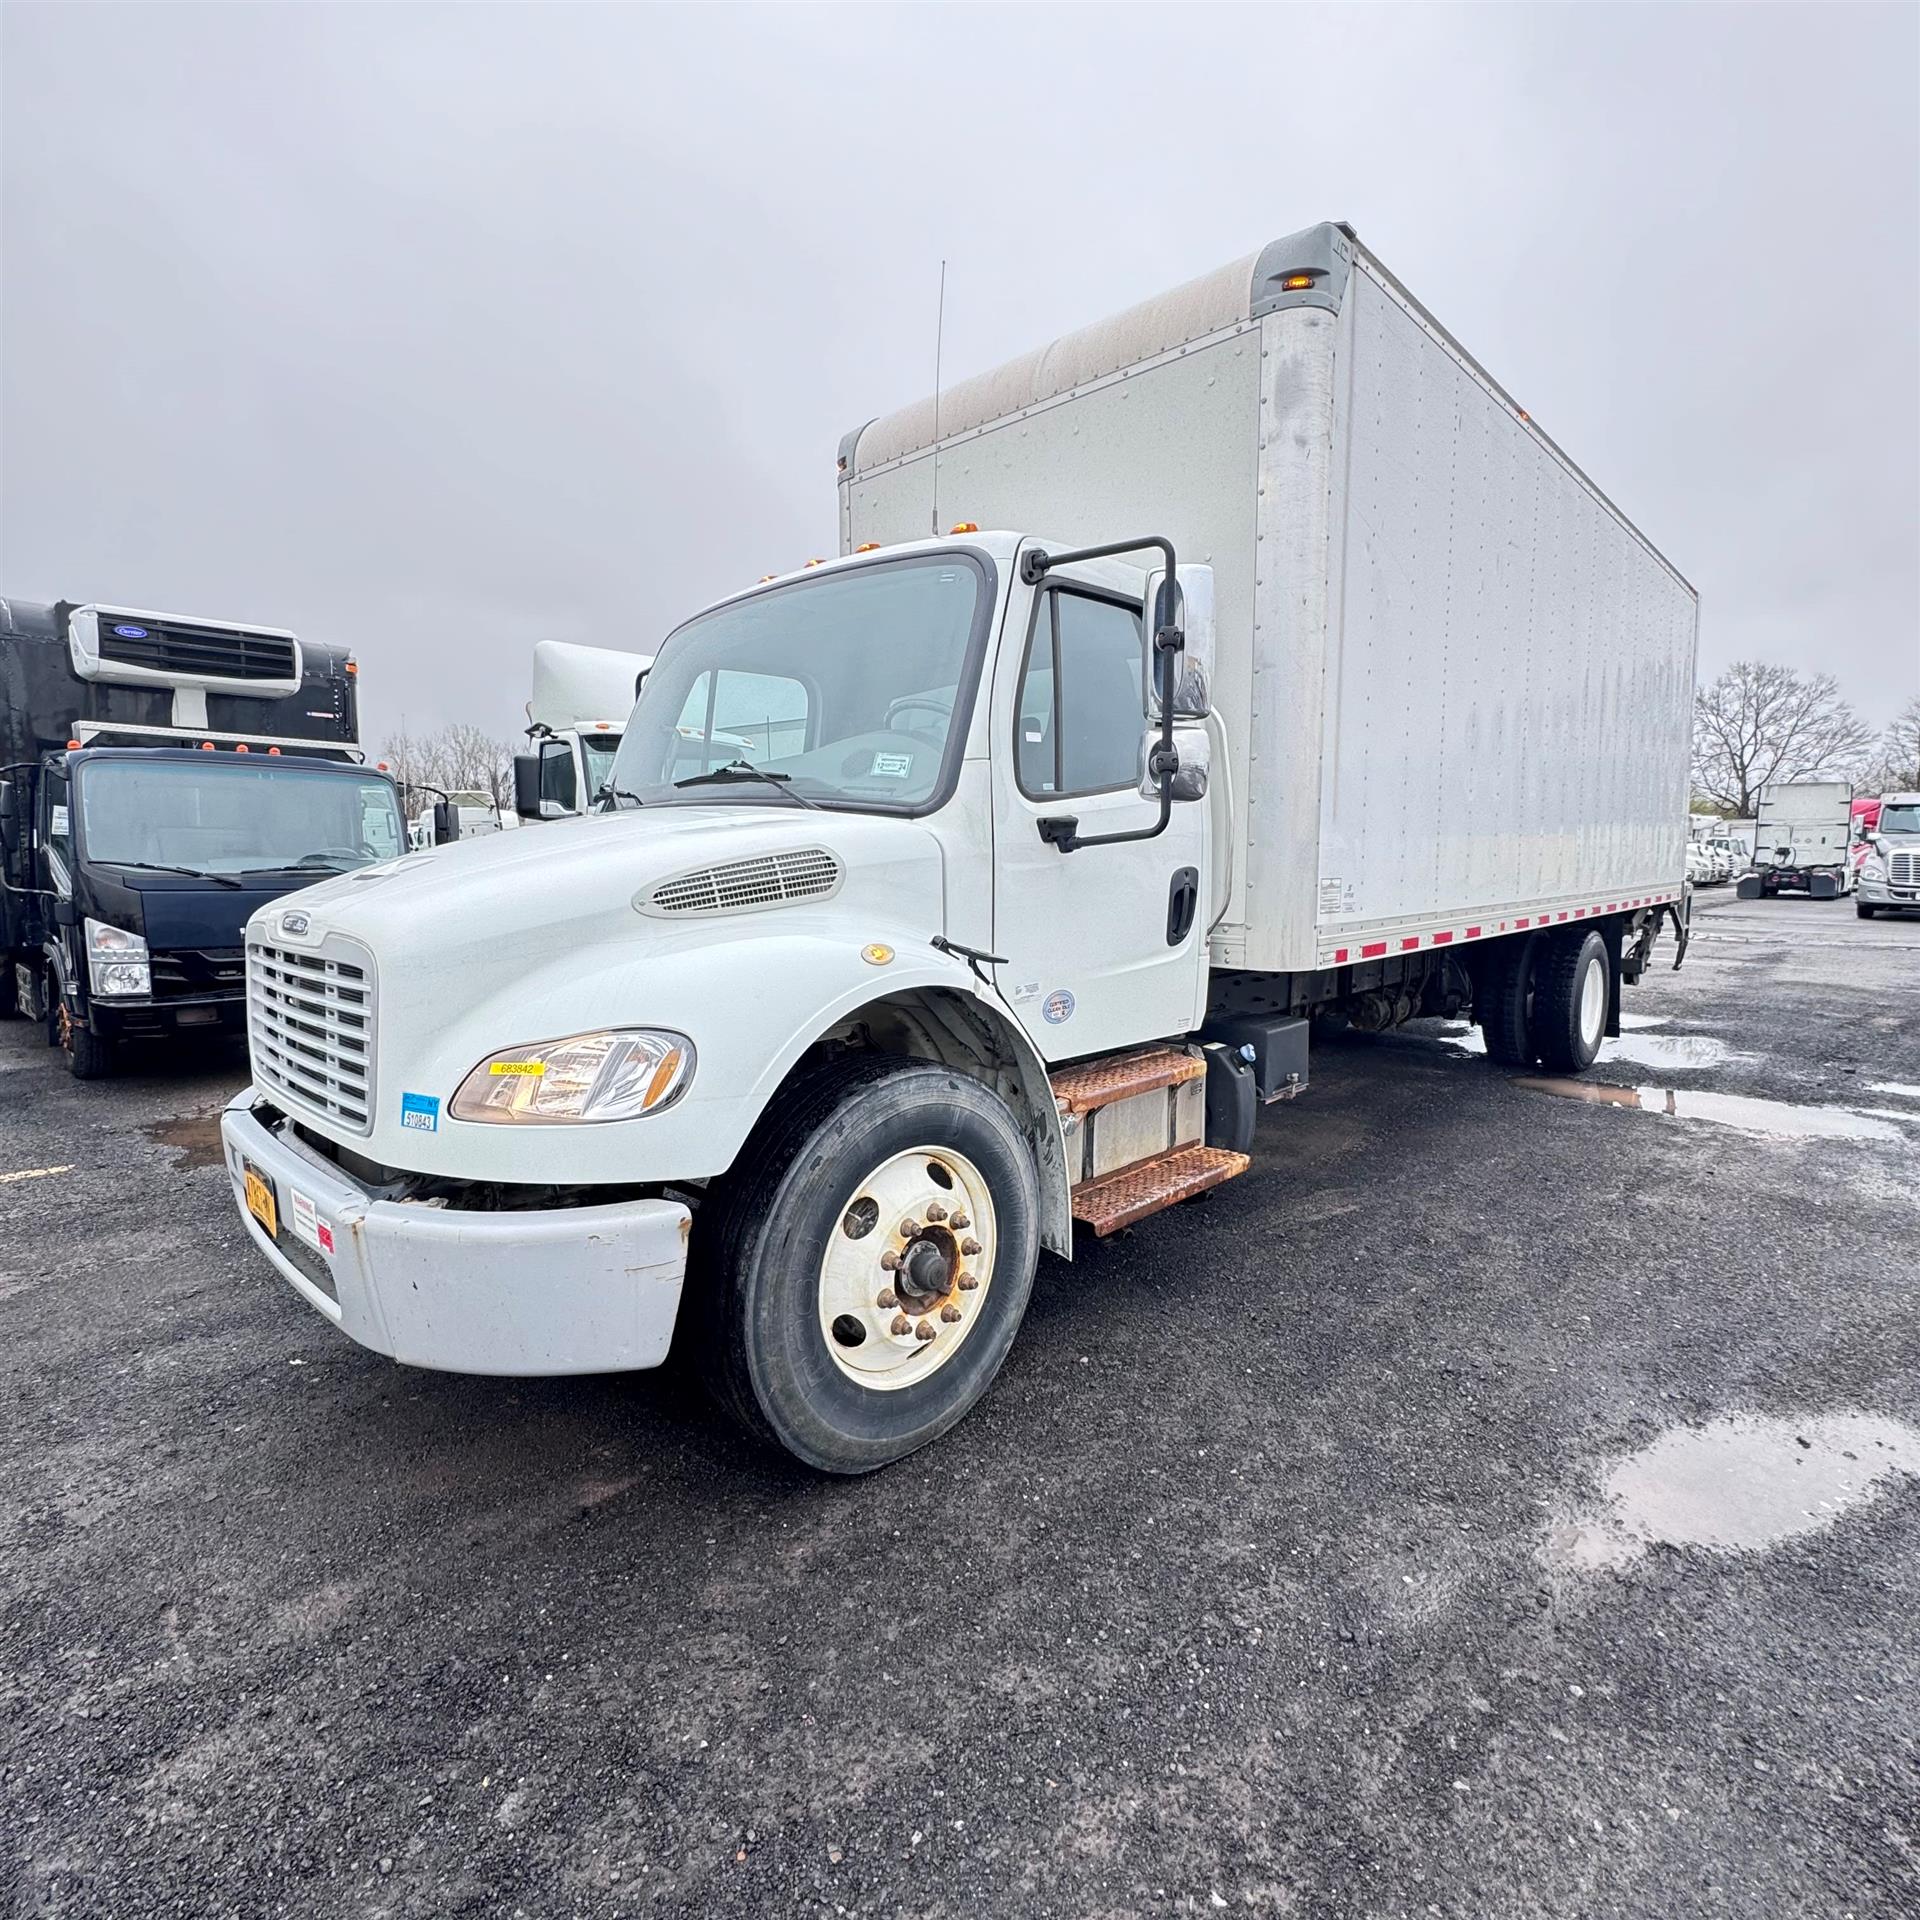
pixel 1803 840
pixel 581 699
pixel 1302 677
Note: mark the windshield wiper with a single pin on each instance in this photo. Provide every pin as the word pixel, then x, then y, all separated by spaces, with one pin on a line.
pixel 155 866
pixel 616 794
pixel 746 770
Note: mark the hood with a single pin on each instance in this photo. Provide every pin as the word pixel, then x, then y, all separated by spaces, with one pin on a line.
pixel 177 913
pixel 512 900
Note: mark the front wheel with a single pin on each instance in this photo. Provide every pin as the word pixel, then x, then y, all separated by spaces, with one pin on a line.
pixel 89 1057
pixel 864 1267
pixel 1863 910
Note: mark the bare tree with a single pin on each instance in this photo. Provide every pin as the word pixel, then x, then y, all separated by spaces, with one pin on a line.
pixel 1759 723
pixel 456 759
pixel 1896 766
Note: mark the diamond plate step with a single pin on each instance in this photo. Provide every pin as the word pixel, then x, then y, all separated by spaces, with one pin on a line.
pixel 1119 1199
pixel 1099 1083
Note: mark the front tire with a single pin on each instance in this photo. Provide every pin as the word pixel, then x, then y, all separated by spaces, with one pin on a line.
pixel 830 1331
pixel 1863 910
pixel 89 1057
pixel 1570 1002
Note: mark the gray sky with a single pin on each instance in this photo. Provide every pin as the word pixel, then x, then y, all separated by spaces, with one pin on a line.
pixel 442 331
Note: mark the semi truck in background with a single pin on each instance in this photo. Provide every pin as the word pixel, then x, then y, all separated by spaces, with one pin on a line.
pixel 1803 841
pixel 1298 675
pixel 160 779
pixel 581 699
pixel 1889 874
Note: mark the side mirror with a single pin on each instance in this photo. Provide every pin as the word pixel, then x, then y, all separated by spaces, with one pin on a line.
pixel 526 785
pixel 1191 669
pixel 446 822
pixel 9 814
pixel 1192 752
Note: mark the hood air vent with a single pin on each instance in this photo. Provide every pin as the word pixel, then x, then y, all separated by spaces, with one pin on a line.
pixel 772 880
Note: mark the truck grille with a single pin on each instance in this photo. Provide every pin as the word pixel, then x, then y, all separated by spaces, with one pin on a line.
pixel 1903 869
pixel 183 974
pixel 178 647
pixel 768 881
pixel 310 1029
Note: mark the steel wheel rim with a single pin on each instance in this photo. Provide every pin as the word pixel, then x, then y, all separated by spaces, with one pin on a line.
pixel 1593 1003
pixel 933 1284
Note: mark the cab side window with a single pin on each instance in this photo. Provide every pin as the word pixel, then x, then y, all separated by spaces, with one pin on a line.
pixel 1082 700
pixel 558 780
pixel 56 826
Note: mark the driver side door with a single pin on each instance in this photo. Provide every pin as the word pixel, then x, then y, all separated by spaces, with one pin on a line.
pixel 1103 945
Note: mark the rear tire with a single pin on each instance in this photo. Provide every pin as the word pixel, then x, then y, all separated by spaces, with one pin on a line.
pixel 1570 1001
pixel 779 1247
pixel 1503 1002
pixel 10 1007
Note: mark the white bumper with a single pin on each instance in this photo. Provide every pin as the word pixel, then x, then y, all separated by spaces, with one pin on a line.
pixel 1880 893
pixel 574 1290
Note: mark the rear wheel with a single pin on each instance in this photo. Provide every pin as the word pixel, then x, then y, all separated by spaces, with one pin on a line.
pixel 864 1268
pixel 1503 1001
pixel 1570 1002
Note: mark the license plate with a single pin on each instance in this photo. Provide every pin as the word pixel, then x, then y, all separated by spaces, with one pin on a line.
pixel 261 1202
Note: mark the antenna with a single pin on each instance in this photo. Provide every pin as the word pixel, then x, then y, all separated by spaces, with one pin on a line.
pixel 939 330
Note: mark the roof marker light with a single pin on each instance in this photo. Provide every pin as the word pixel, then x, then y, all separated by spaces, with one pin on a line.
pixel 273 749
pixel 243 748
pixel 964 526
pixel 814 563
pixel 353 667
pixel 206 746
pixel 73 746
pixel 765 577
pixel 868 546
pixel 1298 283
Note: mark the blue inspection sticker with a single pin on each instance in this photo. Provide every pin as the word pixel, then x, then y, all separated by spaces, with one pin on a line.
pixel 420 1111
pixel 1057 1007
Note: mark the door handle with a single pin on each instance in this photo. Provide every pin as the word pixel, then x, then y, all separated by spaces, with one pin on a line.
pixel 1183 901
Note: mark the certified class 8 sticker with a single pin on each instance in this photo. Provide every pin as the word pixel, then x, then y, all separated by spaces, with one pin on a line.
pixel 1057 1009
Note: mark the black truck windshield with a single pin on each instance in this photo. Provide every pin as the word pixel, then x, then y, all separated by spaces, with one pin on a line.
pixel 843 685
pixel 226 814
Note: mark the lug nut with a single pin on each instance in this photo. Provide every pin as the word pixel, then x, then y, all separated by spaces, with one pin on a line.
pixel 936 1211
pixel 909 1227
pixel 901 1324
pixel 949 1313
pixel 960 1223
pixel 886 1301
pixel 968 1283
pixel 969 1247
pixel 925 1330
pixel 889 1261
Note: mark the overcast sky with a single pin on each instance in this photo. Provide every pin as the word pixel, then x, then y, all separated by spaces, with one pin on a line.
pixel 441 331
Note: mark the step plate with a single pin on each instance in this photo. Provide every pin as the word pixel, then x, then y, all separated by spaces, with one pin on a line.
pixel 1101 1082
pixel 1119 1199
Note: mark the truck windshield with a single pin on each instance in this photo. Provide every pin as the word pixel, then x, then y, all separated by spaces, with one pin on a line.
pixel 1900 819
pixel 843 687
pixel 224 814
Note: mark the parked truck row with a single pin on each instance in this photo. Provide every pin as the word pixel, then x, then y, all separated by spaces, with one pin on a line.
pixel 971 895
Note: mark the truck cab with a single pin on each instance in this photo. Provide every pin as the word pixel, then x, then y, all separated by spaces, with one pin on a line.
pixel 164 777
pixel 1889 879
pixel 581 698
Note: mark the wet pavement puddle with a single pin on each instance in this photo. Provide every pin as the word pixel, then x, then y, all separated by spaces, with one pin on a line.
pixel 1894 1086
pixel 1773 1119
pixel 197 1140
pixel 1737 1485
pixel 1636 1047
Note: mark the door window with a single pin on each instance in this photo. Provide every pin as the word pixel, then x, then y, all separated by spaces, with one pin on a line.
pixel 1082 705
pixel 558 780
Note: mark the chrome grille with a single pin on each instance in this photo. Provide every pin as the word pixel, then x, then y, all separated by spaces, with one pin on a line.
pixel 769 881
pixel 310 1028
pixel 1903 869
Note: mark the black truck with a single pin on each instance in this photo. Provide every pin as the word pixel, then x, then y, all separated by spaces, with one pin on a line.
pixel 160 779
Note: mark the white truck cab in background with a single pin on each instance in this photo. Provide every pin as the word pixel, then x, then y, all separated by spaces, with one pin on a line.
pixel 581 699
pixel 1889 880
pixel 968 896
pixel 1802 840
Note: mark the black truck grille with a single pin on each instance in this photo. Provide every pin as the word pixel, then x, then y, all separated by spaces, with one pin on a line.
pixel 188 975
pixel 179 647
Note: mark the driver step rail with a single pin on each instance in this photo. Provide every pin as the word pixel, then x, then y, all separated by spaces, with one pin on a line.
pixel 1099 1083
pixel 1117 1200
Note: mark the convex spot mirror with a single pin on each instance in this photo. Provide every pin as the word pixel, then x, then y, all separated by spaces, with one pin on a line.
pixel 1191 746
pixel 1191 668
pixel 9 813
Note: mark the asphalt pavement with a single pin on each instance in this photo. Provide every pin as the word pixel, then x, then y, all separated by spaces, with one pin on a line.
pixel 1501 1502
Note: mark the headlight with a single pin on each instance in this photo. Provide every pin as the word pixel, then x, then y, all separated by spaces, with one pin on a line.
pixel 617 1075
pixel 117 961
pixel 1873 868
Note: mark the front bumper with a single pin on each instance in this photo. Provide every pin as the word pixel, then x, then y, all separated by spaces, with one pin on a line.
pixel 163 1019
pixel 1878 893
pixel 566 1290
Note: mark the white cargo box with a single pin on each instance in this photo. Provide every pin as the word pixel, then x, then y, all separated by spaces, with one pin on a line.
pixel 1456 683
pixel 576 686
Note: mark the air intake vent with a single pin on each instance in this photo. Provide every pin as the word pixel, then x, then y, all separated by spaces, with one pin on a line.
pixel 183 652
pixel 742 885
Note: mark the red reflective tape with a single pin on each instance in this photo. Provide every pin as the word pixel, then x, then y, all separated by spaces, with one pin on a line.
pixel 1373 949
pixel 1613 906
pixel 1521 922
pixel 1339 955
pixel 1441 939
pixel 1408 945
pixel 1579 913
pixel 1473 933
pixel 1563 913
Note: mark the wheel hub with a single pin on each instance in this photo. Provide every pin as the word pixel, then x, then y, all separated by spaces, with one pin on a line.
pixel 925 1273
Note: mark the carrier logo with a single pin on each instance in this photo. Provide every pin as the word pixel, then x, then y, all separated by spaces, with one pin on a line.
pixel 131 632
pixel 293 926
